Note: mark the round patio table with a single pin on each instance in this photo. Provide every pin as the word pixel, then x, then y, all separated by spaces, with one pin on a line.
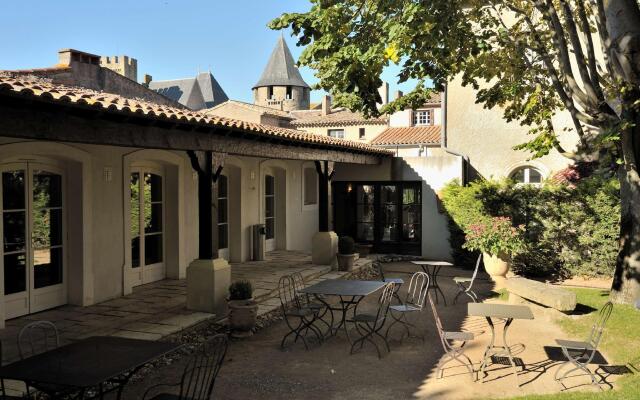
pixel 433 275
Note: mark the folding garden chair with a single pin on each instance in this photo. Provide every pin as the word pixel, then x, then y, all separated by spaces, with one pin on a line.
pixel 414 302
pixel 370 325
pixel 200 373
pixel 299 318
pixel 398 281
pixel 465 284
pixel 448 340
pixel 580 354
pixel 307 301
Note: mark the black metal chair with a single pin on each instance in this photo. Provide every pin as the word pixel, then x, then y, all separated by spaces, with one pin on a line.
pixel 414 302
pixel 580 354
pixel 398 281
pixel 299 318
pixel 199 375
pixel 448 340
pixel 35 338
pixel 3 388
pixel 465 284
pixel 370 325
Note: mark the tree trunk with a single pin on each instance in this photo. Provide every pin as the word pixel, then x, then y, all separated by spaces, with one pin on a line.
pixel 626 280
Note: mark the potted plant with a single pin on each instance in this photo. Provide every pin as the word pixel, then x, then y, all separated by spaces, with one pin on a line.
pixel 243 309
pixel 498 240
pixel 346 253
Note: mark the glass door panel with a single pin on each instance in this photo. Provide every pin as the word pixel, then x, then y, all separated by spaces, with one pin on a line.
pixel 47 229
pixel 223 217
pixel 411 214
pixel 365 211
pixel 270 209
pixel 147 226
pixel 389 213
pixel 14 228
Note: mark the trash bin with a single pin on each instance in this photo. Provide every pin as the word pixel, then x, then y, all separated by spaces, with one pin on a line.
pixel 258 236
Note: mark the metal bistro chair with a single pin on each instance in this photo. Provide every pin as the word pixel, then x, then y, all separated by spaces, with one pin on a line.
pixel 580 354
pixel 370 325
pixel 307 301
pixel 299 319
pixel 452 351
pixel 200 373
pixel 35 338
pixel 397 281
pixel 465 284
pixel 414 302
pixel 3 389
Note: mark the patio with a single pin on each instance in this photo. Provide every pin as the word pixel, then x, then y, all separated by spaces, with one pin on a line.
pixel 258 368
pixel 156 310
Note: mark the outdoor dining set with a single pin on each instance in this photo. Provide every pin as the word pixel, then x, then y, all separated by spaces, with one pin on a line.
pixel 99 365
pixel 322 310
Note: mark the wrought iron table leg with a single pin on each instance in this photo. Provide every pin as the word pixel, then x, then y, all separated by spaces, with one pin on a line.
pixel 489 348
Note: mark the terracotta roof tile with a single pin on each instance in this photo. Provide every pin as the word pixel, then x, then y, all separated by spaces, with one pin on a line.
pixel 38 87
pixel 337 117
pixel 408 135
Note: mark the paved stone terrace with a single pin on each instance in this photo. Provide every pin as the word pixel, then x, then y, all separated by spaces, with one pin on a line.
pixel 158 309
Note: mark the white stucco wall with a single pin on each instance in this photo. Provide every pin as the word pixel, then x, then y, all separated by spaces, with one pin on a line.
pixel 97 203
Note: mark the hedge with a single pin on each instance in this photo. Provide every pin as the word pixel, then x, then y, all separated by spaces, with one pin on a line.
pixel 569 230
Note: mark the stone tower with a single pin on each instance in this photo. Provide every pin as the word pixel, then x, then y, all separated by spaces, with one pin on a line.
pixel 281 86
pixel 125 66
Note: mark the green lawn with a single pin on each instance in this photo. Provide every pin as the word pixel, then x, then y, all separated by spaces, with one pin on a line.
pixel 621 344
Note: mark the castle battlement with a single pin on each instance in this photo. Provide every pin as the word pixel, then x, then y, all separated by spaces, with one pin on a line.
pixel 124 65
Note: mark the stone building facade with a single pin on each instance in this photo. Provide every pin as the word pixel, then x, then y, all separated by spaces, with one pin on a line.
pixel 124 65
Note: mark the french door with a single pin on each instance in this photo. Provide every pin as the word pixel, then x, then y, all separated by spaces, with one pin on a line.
pixel 270 212
pixel 223 217
pixel 33 233
pixel 147 226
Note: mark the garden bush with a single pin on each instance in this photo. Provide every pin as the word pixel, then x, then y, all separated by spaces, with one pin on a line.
pixel 569 230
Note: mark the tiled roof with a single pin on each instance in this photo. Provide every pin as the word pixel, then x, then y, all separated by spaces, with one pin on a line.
pixel 28 86
pixel 436 98
pixel 337 117
pixel 249 106
pixel 408 135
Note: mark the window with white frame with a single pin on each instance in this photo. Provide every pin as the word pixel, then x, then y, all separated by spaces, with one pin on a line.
pixel 422 117
pixel 526 175
pixel 310 186
pixel 336 133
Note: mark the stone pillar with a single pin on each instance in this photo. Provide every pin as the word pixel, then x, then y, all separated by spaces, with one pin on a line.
pixel 208 286
pixel 324 248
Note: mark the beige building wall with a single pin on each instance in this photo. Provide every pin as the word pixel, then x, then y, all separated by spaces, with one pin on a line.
pixel 97 207
pixel 488 140
pixel 405 117
pixel 351 132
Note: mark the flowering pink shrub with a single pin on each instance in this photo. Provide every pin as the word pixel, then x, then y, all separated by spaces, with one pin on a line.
pixel 495 235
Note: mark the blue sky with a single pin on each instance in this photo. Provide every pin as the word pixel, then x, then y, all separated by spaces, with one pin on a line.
pixel 169 38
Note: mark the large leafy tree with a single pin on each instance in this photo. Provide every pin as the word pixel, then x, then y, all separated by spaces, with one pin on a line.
pixel 532 58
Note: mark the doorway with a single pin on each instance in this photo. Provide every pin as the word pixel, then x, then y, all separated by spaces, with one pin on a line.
pixel 147 225
pixel 33 232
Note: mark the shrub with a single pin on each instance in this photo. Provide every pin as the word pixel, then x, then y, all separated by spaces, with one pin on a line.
pixel 567 230
pixel 495 236
pixel 346 245
pixel 240 290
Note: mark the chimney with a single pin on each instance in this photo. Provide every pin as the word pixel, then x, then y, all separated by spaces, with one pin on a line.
pixel 66 56
pixel 326 104
pixel 384 93
pixel 397 94
pixel 147 79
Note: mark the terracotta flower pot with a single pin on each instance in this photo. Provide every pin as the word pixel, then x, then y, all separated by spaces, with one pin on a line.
pixel 242 317
pixel 497 266
pixel 346 261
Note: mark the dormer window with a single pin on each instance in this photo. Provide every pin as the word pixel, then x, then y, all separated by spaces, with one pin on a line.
pixel 422 117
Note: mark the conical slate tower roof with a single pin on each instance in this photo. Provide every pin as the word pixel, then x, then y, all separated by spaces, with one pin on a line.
pixel 281 69
pixel 211 90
